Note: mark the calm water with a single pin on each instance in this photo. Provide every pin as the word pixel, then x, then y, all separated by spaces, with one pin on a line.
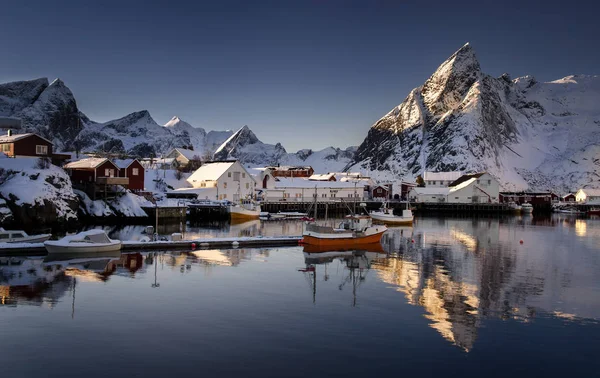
pixel 451 297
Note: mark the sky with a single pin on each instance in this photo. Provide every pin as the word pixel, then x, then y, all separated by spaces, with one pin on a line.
pixel 308 74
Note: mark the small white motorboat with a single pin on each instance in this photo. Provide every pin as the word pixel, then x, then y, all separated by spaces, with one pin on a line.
pixel 527 208
pixel 84 242
pixel 515 208
pixel 386 214
pixel 19 236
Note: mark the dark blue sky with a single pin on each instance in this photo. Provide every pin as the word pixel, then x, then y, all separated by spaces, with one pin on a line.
pixel 305 73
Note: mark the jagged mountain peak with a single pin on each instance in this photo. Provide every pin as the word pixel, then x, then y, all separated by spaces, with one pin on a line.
pixel 175 121
pixel 450 83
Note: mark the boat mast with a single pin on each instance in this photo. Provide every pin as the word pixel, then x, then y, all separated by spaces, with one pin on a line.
pixel 315 204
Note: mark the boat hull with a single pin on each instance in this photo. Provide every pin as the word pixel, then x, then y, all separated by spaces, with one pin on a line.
pixel 239 213
pixel 392 219
pixel 346 239
pixel 87 248
pixel 32 239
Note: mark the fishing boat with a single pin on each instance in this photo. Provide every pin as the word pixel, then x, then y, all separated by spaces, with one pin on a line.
pixel 514 208
pixel 386 214
pixel 527 208
pixel 244 210
pixel 84 242
pixel 354 230
pixel 19 236
pixel 569 210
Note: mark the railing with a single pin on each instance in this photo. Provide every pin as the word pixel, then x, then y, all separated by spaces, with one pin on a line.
pixel 112 180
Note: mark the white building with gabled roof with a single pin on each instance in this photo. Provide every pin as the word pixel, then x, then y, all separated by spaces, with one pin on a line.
pixel 182 156
pixel 440 179
pixel 283 189
pixel 472 188
pixel 588 195
pixel 230 180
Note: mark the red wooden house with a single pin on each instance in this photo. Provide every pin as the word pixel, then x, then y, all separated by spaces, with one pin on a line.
pixel 94 175
pixel 15 145
pixel 381 191
pixel 132 169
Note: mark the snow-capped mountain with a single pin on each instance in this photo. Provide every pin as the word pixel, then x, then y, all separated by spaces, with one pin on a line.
pixel 50 110
pixel 245 146
pixel 530 135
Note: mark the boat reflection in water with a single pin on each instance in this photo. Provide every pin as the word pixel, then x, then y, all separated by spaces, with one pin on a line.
pixel 356 261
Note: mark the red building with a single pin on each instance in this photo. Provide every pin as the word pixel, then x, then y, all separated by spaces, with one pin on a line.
pixel 95 175
pixel 381 191
pixel 538 198
pixel 132 169
pixel 569 198
pixel 290 171
pixel 15 145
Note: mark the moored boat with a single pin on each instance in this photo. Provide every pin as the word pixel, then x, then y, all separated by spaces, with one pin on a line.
pixel 527 208
pixel 20 236
pixel 244 210
pixel 514 207
pixel 84 242
pixel 386 215
pixel 354 230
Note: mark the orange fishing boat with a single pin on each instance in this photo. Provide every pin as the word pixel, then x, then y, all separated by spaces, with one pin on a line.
pixel 353 231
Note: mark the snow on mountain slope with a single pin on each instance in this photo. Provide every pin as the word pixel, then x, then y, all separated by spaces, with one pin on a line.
pixel 195 137
pixel 245 146
pixel 329 159
pixel 527 134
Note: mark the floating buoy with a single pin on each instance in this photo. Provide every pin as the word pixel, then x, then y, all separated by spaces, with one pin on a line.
pixel 521 241
pixel 193 245
pixel 235 244
pixel 412 241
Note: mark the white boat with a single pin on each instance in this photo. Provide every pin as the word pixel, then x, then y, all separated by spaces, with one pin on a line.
pixel 514 207
pixel 572 211
pixel 19 236
pixel 527 208
pixel 386 214
pixel 84 242
pixel 244 210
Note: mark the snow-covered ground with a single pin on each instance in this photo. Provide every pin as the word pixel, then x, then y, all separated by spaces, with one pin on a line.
pixel 23 182
pixel 161 180
pixel 126 205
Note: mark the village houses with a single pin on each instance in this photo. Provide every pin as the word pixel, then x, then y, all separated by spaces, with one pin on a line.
pixel 590 196
pixel 220 180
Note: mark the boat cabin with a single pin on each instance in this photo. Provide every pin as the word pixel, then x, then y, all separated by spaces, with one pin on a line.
pixel 356 223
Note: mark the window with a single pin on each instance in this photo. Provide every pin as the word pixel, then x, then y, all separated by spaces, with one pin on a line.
pixel 106 172
pixel 41 150
pixel 324 195
pixel 247 186
pixel 236 176
pixel 135 171
pixel 224 195
pixel 228 174
pixel 489 182
pixel 225 185
pixel 203 185
pixel 6 147
pixel 478 181
pixel 332 195
pixel 243 175
pixel 455 197
pixel 314 195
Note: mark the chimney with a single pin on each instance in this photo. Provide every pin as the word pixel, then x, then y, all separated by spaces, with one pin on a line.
pixel 9 132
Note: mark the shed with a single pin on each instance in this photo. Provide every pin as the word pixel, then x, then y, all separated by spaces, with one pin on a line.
pixel 29 144
pixel 132 169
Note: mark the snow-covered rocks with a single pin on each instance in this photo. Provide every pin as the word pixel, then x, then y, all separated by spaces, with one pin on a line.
pixel 35 195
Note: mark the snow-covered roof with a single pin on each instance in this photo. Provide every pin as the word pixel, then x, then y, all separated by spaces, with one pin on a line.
pixel 90 163
pixel 431 191
pixel 210 171
pixel 188 154
pixel 16 137
pixel 300 182
pixel 591 192
pixel 441 176
pixel 200 192
pixel 123 163
pixel 464 178
pixel 322 176
pixel 289 168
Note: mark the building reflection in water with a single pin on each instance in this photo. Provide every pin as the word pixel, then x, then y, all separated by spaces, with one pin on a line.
pixel 464 270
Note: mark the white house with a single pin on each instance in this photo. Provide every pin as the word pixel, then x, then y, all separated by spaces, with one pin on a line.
pixel 230 180
pixel 588 195
pixel 440 179
pixel 304 190
pixel 472 188
pixel 182 156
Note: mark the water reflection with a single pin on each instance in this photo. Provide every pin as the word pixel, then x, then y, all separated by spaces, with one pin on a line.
pixel 463 271
pixel 356 262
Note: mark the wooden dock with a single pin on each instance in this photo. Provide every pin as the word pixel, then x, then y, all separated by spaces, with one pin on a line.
pixel 38 249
